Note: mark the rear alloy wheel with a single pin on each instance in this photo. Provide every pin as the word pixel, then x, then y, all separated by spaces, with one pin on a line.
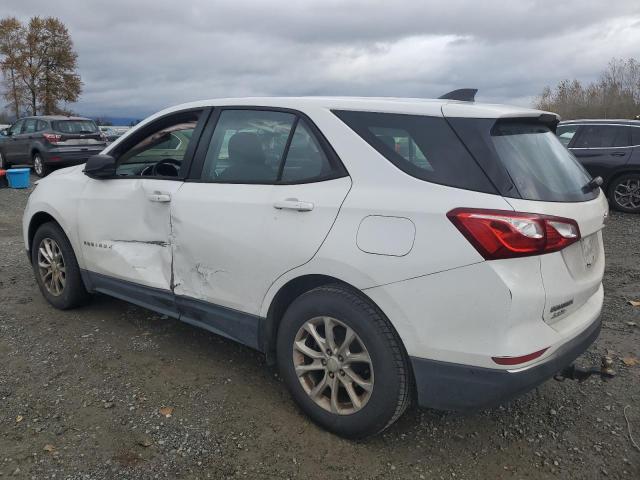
pixel 38 166
pixel 624 193
pixel 343 362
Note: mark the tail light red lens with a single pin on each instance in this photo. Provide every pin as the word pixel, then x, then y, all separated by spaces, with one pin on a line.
pixel 52 137
pixel 500 234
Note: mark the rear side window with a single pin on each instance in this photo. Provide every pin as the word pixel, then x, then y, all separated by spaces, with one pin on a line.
pixel 42 125
pixel 74 126
pixel 539 165
pixel 424 147
pixel 305 159
pixel 603 136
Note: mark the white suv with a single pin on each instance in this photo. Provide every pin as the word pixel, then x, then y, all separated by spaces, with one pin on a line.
pixel 376 249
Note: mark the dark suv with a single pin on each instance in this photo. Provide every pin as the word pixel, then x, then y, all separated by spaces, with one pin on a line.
pixel 50 141
pixel 610 149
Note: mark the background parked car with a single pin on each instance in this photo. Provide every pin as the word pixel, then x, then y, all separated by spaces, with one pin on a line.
pixel 112 133
pixel 609 149
pixel 47 142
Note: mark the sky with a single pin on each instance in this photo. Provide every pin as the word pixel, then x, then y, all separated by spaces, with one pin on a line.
pixel 136 57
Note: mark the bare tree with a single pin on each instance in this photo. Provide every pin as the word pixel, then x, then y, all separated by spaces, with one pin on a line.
pixel 616 94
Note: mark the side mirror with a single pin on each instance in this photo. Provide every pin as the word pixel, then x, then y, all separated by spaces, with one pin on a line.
pixel 6 132
pixel 100 166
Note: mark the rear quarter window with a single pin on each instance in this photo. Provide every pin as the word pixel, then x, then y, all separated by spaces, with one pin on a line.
pixel 421 146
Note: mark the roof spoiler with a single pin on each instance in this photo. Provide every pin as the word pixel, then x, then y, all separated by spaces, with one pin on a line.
pixel 462 94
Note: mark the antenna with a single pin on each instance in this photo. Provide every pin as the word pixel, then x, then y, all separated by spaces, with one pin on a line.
pixel 462 94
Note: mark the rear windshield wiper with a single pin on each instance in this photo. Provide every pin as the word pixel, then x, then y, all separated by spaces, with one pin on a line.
pixel 592 184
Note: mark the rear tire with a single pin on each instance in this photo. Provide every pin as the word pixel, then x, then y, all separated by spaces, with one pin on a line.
pixel 39 166
pixel 370 373
pixel 4 165
pixel 56 268
pixel 624 193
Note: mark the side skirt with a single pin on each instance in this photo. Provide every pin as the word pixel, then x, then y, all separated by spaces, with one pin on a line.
pixel 233 324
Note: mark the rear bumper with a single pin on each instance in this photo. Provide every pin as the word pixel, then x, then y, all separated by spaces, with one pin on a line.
pixel 451 386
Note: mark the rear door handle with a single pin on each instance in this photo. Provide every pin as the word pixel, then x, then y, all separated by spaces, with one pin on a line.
pixel 293 204
pixel 618 154
pixel 160 197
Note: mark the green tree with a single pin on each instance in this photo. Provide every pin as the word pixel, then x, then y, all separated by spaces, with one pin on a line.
pixel 41 70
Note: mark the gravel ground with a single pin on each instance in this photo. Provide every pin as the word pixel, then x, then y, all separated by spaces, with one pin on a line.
pixel 114 391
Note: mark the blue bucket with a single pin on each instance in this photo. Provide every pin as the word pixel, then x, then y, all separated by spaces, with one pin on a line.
pixel 18 177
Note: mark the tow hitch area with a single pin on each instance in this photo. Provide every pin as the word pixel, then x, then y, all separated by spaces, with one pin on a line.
pixel 574 372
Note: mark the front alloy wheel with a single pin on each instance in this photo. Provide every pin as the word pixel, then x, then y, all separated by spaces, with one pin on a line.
pixel 333 365
pixel 51 267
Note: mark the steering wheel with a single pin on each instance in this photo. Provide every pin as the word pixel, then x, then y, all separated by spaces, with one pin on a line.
pixel 167 167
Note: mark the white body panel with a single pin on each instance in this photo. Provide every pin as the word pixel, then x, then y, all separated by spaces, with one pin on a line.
pixel 231 243
pixel 379 230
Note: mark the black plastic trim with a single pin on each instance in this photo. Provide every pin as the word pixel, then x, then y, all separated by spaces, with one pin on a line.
pixel 452 386
pixel 239 326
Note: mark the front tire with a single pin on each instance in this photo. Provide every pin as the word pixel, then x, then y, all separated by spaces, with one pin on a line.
pixel 39 166
pixel 624 193
pixel 343 362
pixel 56 268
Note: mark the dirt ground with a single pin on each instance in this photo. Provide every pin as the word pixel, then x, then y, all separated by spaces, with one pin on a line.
pixel 81 394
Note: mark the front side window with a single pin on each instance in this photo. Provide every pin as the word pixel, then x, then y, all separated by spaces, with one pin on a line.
pixel 603 136
pixel 566 133
pixel 16 129
pixel 422 146
pixel 159 149
pixel 247 146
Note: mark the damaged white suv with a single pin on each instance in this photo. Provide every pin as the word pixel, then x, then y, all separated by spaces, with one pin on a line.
pixel 378 250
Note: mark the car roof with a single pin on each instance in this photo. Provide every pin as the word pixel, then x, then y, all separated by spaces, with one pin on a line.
pixel 55 117
pixel 417 106
pixel 610 121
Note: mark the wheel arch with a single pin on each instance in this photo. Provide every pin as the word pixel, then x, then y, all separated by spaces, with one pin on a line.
pixel 38 219
pixel 291 290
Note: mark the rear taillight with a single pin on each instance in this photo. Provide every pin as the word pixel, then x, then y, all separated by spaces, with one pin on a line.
pixel 503 234
pixel 52 137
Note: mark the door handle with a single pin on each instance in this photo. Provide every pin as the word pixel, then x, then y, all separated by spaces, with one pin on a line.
pixel 293 204
pixel 618 154
pixel 159 197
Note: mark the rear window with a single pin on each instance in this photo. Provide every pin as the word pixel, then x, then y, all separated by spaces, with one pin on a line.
pixel 74 126
pixel 539 165
pixel 424 147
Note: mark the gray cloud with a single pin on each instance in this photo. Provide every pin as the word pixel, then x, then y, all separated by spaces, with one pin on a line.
pixel 138 56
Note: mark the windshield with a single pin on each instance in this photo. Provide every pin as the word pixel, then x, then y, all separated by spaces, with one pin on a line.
pixel 539 165
pixel 75 126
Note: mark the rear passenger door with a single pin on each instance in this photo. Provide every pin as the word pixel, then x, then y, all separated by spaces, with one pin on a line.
pixel 264 192
pixel 601 148
pixel 11 146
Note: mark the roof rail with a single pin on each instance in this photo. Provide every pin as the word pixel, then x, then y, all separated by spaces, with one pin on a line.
pixel 462 94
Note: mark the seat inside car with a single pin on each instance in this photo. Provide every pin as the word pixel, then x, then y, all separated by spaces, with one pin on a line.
pixel 247 159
